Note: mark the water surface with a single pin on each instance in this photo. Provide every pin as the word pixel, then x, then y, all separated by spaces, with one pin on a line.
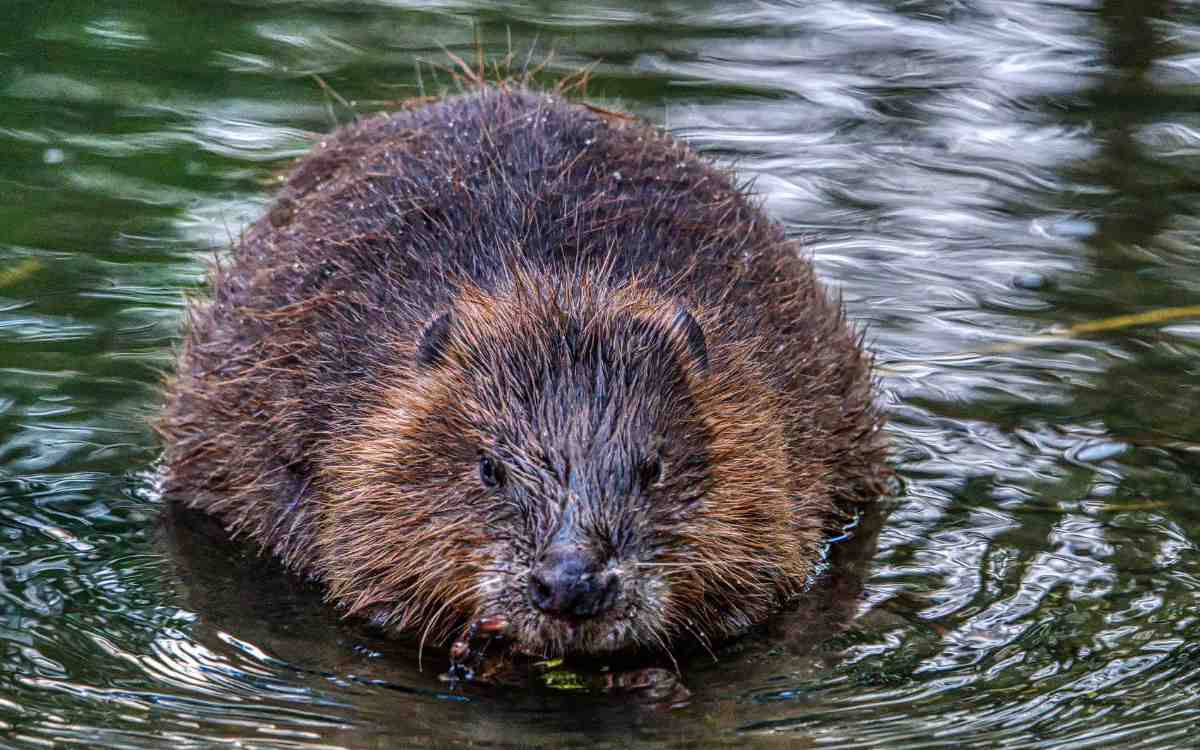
pixel 974 177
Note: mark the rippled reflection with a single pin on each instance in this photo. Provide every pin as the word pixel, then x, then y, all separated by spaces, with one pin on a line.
pixel 972 176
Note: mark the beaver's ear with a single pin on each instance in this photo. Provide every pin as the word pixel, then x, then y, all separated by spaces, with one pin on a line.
pixel 434 341
pixel 688 330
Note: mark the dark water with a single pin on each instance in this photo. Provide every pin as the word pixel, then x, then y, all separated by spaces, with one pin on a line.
pixel 974 175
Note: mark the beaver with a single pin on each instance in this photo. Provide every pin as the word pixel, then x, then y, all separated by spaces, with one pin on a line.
pixel 510 359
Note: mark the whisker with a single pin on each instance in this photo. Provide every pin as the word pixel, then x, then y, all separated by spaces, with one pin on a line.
pixel 702 637
pixel 700 563
pixel 434 619
pixel 663 642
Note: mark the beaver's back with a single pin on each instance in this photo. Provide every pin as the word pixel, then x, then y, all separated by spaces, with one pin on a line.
pixel 376 229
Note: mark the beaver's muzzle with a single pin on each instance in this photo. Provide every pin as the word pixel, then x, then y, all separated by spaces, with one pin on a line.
pixel 570 581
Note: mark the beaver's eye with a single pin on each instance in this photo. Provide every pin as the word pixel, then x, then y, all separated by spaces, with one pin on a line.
pixel 491 472
pixel 651 471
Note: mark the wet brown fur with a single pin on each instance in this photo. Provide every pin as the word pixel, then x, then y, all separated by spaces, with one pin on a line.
pixel 302 415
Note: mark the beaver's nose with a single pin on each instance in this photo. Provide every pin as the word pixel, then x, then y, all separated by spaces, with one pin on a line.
pixel 570 582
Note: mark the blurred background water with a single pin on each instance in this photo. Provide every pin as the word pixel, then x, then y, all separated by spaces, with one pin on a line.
pixel 973 175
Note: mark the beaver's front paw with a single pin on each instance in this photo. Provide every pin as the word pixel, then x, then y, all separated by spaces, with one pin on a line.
pixel 466 654
pixel 652 686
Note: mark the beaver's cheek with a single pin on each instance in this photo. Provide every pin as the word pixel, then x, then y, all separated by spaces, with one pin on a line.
pixel 494 576
pixel 651 592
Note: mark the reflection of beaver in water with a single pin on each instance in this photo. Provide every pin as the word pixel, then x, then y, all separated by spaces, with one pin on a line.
pixel 508 359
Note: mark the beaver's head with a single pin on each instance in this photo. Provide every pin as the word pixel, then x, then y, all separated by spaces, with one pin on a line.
pixel 584 463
